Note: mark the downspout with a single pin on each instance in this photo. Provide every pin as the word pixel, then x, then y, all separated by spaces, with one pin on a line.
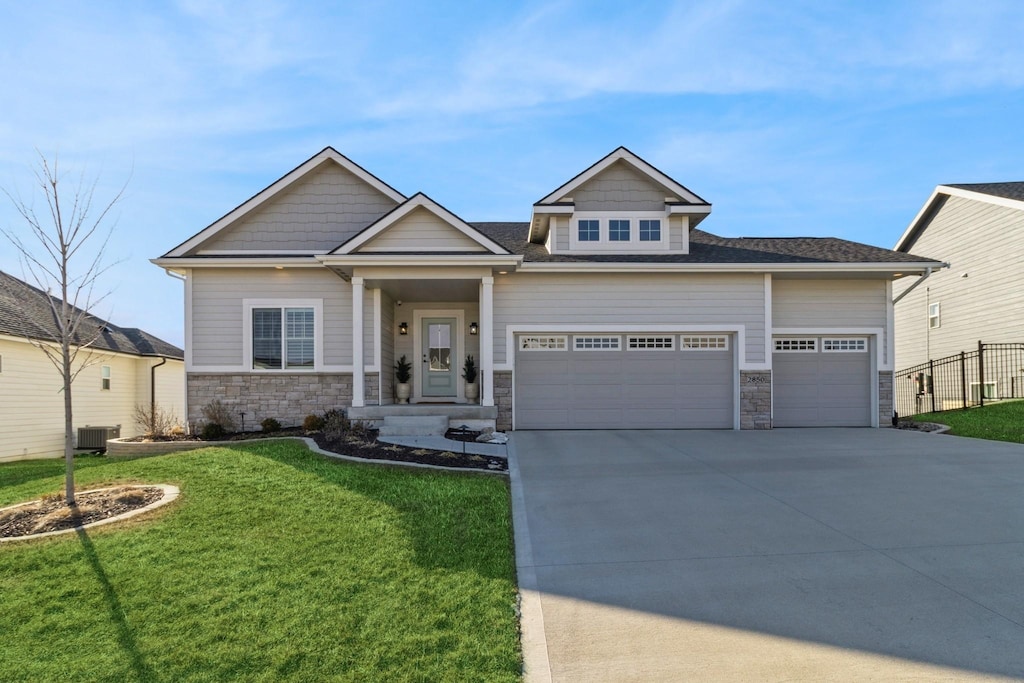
pixel 911 288
pixel 152 388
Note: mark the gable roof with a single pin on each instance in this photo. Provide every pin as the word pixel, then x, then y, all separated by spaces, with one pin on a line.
pixel 25 312
pixel 622 154
pixel 706 248
pixel 326 155
pixel 418 201
pixel 1010 195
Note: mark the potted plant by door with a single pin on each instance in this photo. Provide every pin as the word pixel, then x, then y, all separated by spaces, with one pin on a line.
pixel 403 373
pixel 469 374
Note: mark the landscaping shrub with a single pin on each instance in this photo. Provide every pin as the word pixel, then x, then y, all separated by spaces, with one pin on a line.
pixel 212 431
pixel 313 423
pixel 217 413
pixel 270 425
pixel 154 421
pixel 336 424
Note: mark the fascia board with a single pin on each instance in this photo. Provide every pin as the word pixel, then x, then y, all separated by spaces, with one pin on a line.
pixel 328 154
pixel 235 262
pixel 909 268
pixel 419 260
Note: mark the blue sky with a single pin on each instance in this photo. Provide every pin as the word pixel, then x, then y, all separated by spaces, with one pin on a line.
pixel 792 118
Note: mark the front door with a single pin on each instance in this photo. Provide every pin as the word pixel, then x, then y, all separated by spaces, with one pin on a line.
pixel 438 372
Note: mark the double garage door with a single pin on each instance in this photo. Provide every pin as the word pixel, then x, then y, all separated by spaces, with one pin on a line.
pixel 821 382
pixel 624 381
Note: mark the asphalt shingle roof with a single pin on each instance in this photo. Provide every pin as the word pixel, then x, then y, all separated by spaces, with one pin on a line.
pixel 708 248
pixel 1005 190
pixel 25 312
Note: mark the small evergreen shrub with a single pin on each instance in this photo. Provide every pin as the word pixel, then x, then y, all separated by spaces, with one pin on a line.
pixel 270 425
pixel 211 432
pixel 313 423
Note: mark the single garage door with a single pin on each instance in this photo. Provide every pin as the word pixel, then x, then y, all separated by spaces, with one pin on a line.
pixel 821 382
pixel 608 381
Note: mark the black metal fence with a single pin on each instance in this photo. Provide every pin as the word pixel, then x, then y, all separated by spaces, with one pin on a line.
pixel 969 378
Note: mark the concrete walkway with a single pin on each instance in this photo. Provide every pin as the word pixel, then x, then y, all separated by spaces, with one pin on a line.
pixel 797 555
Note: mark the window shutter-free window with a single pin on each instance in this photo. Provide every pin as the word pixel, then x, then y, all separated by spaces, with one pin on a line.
pixel 266 338
pixel 105 378
pixel 300 337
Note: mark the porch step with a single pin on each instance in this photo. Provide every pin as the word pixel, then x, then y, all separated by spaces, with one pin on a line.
pixel 414 425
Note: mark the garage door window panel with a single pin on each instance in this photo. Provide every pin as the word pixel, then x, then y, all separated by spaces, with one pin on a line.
pixel 844 345
pixel 705 343
pixel 597 343
pixel 796 345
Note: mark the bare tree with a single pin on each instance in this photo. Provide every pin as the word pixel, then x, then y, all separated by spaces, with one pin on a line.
pixel 65 256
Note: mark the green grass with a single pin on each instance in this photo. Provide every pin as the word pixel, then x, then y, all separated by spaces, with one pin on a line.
pixel 274 565
pixel 1002 421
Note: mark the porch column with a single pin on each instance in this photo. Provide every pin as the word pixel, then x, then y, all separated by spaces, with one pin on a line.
pixel 487 340
pixel 358 366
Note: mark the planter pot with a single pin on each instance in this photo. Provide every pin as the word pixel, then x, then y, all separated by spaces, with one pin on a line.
pixel 402 392
pixel 472 392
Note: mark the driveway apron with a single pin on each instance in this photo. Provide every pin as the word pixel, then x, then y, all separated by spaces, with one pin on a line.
pixel 808 555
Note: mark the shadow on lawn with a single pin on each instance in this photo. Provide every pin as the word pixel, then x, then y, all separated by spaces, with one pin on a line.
pixel 443 526
pixel 43 469
pixel 124 631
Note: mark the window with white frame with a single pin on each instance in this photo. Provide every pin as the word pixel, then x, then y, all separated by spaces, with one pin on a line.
pixel 650 230
pixel 618 230
pixel 283 338
pixel 589 230
pixel 597 343
pixel 544 343
pixel 853 345
pixel 105 377
pixel 934 319
pixel 796 345
pixel 651 343
pixel 718 342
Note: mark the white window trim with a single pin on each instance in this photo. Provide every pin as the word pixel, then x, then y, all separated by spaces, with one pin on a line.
pixel 724 338
pixel 318 333
pixel 109 379
pixel 563 339
pixel 577 338
pixel 659 338
pixel 859 344
pixel 809 344
pixel 605 244
pixel 936 318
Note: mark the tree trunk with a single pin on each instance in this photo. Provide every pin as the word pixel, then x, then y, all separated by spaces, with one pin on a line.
pixel 69 432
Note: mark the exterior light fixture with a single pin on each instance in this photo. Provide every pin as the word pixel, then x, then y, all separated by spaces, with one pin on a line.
pixel 403 328
pixel 278 267
pixel 473 328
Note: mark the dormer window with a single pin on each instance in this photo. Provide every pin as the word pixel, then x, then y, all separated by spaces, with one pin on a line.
pixel 589 231
pixel 618 230
pixel 650 230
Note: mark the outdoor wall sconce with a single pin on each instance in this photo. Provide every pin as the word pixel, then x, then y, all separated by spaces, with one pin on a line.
pixel 473 328
pixel 403 328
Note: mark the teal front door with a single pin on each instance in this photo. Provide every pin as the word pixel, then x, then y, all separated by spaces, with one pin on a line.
pixel 438 372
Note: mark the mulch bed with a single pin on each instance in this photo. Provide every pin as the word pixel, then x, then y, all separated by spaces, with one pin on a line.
pixel 52 514
pixel 919 426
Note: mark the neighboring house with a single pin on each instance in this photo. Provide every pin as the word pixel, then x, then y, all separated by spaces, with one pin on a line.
pixel 121 363
pixel 979 230
pixel 607 309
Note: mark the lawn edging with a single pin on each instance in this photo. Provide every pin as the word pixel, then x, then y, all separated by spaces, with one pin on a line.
pixel 123 448
pixel 171 494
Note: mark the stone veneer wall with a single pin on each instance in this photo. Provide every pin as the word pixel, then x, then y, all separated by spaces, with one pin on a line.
pixel 756 399
pixel 286 397
pixel 885 398
pixel 503 400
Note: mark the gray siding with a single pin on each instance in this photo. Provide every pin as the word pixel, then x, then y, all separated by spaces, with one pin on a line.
pixel 217 309
pixel 820 303
pixel 677 226
pixel 317 212
pixel 985 242
pixel 620 188
pixel 421 230
pixel 630 299
pixel 562 234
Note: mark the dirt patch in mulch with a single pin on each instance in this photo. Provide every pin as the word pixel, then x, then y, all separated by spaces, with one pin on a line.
pixel 52 514
pixel 367 446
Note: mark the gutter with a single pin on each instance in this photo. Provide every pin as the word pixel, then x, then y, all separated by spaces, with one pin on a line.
pixel 927 273
pixel 152 387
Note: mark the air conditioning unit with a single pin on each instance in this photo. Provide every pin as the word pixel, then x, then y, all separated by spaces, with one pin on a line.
pixel 95 438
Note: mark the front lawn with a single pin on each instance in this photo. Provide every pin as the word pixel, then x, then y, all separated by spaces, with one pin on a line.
pixel 1002 421
pixel 274 565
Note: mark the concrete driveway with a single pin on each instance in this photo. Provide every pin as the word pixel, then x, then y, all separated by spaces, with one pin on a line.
pixel 829 554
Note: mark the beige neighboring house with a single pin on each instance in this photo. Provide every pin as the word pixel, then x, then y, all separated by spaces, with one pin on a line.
pixel 606 307
pixel 127 366
pixel 979 230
